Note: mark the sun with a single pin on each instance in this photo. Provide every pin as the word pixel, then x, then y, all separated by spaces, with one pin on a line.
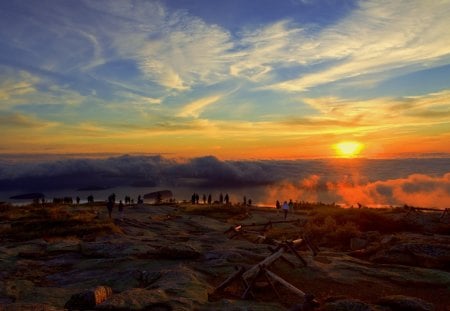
pixel 348 149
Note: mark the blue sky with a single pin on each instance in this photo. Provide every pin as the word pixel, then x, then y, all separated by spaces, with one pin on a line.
pixel 237 79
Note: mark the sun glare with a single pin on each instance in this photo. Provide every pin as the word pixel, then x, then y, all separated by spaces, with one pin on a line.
pixel 348 149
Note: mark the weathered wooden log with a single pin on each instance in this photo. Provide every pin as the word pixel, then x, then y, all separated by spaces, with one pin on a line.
pixel 230 279
pixel 282 257
pixel 291 246
pixel 249 288
pixel 250 273
pixel 270 222
pixel 286 284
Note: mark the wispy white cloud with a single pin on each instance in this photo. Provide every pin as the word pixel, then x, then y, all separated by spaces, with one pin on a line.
pixel 15 84
pixel 21 122
pixel 378 36
pixel 195 108
pixel 173 49
pixel 433 107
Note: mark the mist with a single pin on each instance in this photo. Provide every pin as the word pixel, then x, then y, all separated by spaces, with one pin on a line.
pixel 417 182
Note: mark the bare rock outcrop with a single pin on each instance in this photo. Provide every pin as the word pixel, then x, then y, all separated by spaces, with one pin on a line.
pixel 405 303
pixel 345 304
pixel 415 254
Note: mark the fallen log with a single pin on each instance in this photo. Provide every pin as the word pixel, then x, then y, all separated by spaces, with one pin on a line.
pixel 236 275
pixel 286 284
pixel 253 271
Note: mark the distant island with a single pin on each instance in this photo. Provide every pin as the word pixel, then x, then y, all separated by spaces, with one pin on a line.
pixel 28 196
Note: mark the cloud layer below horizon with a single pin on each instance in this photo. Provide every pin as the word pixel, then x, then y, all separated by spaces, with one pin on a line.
pixel 415 182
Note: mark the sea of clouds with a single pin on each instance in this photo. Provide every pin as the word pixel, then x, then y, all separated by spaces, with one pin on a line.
pixel 417 181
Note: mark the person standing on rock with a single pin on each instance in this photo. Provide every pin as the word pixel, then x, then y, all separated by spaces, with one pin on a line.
pixel 121 209
pixel 209 199
pixel 285 209
pixel 110 206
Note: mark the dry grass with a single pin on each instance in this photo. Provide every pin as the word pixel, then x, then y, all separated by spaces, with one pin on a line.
pixel 216 211
pixel 31 222
pixel 334 226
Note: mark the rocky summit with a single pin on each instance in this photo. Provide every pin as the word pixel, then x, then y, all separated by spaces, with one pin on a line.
pixel 177 256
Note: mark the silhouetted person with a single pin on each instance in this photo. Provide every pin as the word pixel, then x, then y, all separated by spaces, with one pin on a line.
pixel 112 198
pixel 249 202
pixel 245 200
pixel 209 199
pixel 193 198
pixel 278 206
pixel 110 206
pixel 197 198
pixel 78 200
pixel 158 198
pixel 285 209
pixel 204 198
pixel 227 199
pixel 90 199
pixel 120 209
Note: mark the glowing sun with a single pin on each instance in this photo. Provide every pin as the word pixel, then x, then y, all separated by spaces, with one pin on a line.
pixel 348 149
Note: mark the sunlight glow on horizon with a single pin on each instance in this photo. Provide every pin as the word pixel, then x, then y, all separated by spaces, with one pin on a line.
pixel 348 149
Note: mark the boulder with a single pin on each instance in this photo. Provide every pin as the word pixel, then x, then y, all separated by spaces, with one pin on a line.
pixel 89 299
pixel 405 303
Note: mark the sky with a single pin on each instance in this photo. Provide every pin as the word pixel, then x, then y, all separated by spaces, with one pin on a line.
pixel 243 79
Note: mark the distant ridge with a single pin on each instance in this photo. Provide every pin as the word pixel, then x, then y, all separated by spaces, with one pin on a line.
pixel 28 196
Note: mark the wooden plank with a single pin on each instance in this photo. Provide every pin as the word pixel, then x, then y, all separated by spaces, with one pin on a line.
pixel 286 284
pixel 291 247
pixel 252 282
pixel 250 273
pixel 230 279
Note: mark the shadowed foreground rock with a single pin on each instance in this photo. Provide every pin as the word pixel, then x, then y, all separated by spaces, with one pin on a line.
pixel 405 303
pixel 348 304
pixel 89 299
pixel 138 299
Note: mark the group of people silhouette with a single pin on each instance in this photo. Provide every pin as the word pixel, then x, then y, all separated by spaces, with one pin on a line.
pixel 195 199
pixel 223 199
pixel 285 207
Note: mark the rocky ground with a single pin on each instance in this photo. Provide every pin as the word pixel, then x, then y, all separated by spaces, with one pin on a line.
pixel 172 257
